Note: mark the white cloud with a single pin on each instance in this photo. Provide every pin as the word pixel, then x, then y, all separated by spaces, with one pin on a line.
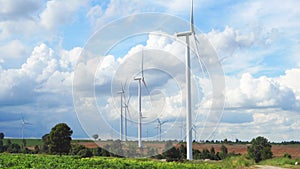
pixel 260 92
pixel 18 8
pixel 13 50
pixel 58 12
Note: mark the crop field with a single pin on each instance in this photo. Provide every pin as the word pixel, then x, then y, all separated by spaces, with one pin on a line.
pixel 52 161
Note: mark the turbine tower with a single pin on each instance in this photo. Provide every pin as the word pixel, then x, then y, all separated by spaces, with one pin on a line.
pixel 159 127
pixel 126 112
pixel 140 79
pixel 187 34
pixel 121 115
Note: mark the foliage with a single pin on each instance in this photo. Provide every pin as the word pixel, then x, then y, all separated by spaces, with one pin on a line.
pixel 280 161
pixel 14 148
pixel 1 136
pixel 237 162
pixel 95 136
pixel 60 139
pixel 54 161
pixel 224 152
pixel 287 155
pixel 260 149
pixel 85 153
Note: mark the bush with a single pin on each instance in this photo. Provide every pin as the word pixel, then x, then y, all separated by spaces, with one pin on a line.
pixel 287 155
pixel 260 149
pixel 85 153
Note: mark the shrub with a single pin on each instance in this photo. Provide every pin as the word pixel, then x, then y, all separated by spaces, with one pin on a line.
pixel 260 149
pixel 287 155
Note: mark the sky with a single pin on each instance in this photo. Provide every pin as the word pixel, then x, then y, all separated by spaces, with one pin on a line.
pixel 64 61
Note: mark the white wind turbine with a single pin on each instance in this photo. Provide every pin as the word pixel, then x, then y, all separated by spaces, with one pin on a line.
pixel 187 34
pixel 23 126
pixel 194 127
pixel 122 92
pixel 140 79
pixel 160 123
pixel 126 112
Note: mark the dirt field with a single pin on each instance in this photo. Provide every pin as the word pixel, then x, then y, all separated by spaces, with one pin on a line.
pixel 278 150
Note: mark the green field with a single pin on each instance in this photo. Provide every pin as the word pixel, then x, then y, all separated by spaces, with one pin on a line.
pixel 67 161
pixel 29 142
pixel 54 161
pixel 33 142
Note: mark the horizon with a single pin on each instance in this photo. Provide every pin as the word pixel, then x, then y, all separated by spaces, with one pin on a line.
pixel 44 43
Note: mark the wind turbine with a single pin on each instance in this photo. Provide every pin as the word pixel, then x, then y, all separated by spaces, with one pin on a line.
pixel 187 34
pixel 140 79
pixel 121 115
pixel 159 127
pixel 195 132
pixel 23 126
pixel 182 128
pixel 125 116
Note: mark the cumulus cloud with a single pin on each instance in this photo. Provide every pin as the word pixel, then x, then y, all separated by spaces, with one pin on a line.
pixel 59 12
pixel 260 92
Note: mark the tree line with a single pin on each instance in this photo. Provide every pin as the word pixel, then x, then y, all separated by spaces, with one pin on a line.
pixel 58 141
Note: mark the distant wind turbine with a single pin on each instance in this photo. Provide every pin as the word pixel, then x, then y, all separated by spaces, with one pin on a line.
pixel 140 79
pixel 159 127
pixel 23 126
pixel 187 34
pixel 194 127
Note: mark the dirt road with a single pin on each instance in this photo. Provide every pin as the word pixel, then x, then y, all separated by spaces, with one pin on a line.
pixel 267 167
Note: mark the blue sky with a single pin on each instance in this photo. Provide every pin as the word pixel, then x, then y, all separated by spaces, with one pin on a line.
pixel 257 43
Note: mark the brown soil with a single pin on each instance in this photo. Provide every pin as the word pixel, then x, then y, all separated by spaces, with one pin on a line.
pixel 278 150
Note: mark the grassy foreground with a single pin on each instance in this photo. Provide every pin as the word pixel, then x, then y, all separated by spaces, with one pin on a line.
pixel 53 161
pixel 281 162
pixel 17 161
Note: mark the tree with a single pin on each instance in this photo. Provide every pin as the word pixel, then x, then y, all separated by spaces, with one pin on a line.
pixel 14 148
pixel 1 136
pixel 224 152
pixel 60 139
pixel 95 136
pixel 46 140
pixel 1 146
pixel 260 149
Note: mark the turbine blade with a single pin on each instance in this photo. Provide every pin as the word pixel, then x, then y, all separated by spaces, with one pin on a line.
pixel 122 87
pixel 164 122
pixel 142 64
pixel 143 80
pixel 128 100
pixel 192 17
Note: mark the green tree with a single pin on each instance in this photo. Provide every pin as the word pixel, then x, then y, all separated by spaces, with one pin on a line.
pixel 14 148
pixel 224 152
pixel 60 139
pixel 172 154
pixel 1 146
pixel 260 149
pixel 95 136
pixel 1 136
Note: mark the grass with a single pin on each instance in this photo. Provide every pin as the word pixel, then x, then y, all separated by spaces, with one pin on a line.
pixel 29 142
pixel 281 162
pixel 33 142
pixel 53 161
